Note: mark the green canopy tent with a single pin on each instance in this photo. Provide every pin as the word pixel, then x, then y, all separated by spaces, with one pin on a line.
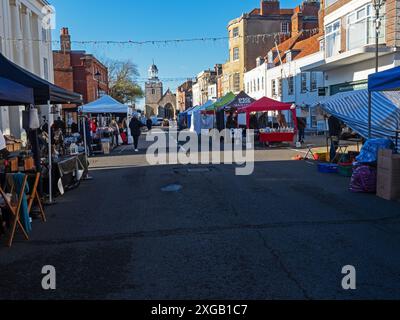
pixel 220 104
pixel 228 98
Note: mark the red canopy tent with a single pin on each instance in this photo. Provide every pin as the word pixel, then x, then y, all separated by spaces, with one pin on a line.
pixel 264 105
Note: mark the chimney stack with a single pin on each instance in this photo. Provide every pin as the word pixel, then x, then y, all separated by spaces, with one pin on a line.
pixel 65 40
pixel 269 7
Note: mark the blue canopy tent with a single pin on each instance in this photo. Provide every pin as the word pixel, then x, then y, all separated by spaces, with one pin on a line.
pixel 349 107
pixel 14 94
pixel 196 118
pixel 384 81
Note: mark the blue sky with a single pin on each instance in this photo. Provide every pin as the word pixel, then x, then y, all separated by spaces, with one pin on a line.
pixel 155 20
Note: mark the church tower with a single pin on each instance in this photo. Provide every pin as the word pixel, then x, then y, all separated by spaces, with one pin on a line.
pixel 153 92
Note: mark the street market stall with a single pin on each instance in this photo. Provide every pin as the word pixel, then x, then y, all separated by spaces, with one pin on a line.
pixel 389 82
pixel 106 112
pixel 351 109
pixel 272 131
pixel 199 120
pixel 211 111
pixel 242 100
pixel 44 93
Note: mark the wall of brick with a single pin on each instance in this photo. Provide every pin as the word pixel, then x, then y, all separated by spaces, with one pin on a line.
pixel 392 22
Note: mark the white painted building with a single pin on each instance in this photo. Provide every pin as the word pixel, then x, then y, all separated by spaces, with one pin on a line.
pixel 196 94
pixel 24 41
pixel 287 82
pixel 212 92
pixel 349 43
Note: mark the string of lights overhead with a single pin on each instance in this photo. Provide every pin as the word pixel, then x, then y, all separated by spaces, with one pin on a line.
pixel 255 38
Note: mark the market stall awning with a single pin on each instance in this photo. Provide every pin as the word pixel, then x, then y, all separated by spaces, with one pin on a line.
pixel 242 100
pixel 229 97
pixel 266 104
pixel 105 104
pixel 352 109
pixel 388 80
pixel 14 94
pixel 43 90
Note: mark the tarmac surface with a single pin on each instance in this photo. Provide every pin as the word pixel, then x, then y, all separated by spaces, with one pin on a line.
pixel 200 232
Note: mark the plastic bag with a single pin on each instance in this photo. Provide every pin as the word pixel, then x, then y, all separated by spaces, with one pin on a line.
pixel 370 150
pixel 364 180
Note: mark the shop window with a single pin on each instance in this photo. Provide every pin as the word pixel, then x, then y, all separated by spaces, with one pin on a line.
pixel 333 39
pixel 290 86
pixel 313 81
pixel 236 54
pixel 304 88
pixel 235 32
pixel 273 87
pixel 236 82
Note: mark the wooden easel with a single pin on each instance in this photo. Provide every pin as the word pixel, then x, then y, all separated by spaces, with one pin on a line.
pixel 15 210
pixel 34 196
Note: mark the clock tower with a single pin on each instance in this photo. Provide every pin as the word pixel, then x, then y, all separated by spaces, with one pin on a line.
pixel 153 92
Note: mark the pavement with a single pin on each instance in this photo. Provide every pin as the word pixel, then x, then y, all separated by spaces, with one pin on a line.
pixel 284 232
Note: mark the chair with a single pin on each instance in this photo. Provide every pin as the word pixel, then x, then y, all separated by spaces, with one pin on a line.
pixel 34 197
pixel 15 210
pixel 310 152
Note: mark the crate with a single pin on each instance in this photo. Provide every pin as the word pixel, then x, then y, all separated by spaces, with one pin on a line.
pixel 322 156
pixel 327 168
pixel 345 169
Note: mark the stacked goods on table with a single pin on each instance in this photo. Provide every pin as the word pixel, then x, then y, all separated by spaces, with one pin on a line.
pixel 13 144
pixel 388 182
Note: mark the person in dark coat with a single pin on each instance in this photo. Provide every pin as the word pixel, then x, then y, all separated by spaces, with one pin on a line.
pixel 301 125
pixel 149 124
pixel 231 122
pixel 135 126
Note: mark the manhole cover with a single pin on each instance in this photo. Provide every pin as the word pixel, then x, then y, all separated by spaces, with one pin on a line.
pixel 172 188
pixel 199 170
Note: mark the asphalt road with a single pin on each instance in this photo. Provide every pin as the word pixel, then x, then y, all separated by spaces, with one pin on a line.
pixel 284 232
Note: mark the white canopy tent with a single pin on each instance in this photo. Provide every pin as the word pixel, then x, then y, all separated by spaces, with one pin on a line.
pixel 108 105
pixel 105 104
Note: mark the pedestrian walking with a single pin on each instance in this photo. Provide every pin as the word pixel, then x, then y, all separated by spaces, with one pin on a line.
pixel 135 125
pixel 149 124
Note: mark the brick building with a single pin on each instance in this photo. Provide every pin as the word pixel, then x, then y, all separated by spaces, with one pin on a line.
pixel 79 71
pixel 184 96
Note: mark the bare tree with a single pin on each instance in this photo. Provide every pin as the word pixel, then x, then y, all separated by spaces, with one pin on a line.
pixel 122 81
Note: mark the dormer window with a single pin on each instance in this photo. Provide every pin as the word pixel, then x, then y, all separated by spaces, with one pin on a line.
pixel 285 27
pixel 289 56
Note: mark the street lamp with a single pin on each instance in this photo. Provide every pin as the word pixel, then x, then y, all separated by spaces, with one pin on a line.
pixel 98 77
pixel 377 4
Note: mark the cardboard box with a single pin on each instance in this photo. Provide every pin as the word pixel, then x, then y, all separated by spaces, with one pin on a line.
pixel 388 183
pixel 389 161
pixel 14 164
pixel 29 164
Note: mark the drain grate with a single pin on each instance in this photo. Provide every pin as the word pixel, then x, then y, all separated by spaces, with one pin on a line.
pixel 184 170
pixel 199 170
